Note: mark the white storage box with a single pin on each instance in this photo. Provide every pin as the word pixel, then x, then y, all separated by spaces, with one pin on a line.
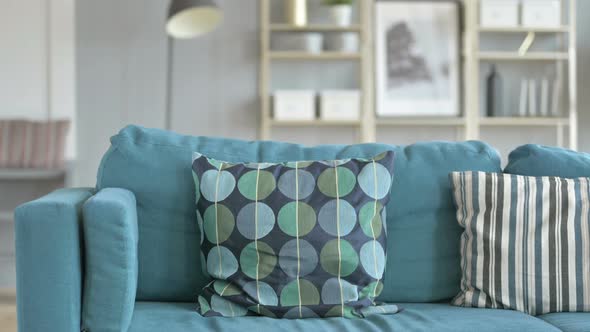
pixel 346 42
pixel 310 42
pixel 499 13
pixel 340 105
pixel 541 13
pixel 294 105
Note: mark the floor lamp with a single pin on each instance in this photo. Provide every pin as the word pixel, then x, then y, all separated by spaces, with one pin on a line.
pixel 186 19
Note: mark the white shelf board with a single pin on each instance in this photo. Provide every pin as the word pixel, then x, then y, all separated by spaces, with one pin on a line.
pixel 421 121
pixel 279 27
pixel 560 29
pixel 523 121
pixel 535 56
pixel 315 123
pixel 296 55
pixel 30 174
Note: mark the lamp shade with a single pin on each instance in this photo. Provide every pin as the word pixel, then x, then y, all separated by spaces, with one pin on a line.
pixel 191 18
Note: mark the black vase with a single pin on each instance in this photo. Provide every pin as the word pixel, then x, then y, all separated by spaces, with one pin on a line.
pixel 493 93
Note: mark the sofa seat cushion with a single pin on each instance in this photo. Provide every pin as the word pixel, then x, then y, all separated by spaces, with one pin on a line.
pixel 569 321
pixel 180 317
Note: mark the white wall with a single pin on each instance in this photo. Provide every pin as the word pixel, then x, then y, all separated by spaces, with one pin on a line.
pixel 23 59
pixel 120 73
pixel 63 66
pixel 37 61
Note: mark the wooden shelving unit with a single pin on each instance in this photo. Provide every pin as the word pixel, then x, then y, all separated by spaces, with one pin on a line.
pixel 422 121
pixel 563 28
pixel 283 55
pixel 563 59
pixel 365 125
pixel 469 124
pixel 523 121
pixel 30 174
pixel 275 27
pixel 316 123
pixel 514 56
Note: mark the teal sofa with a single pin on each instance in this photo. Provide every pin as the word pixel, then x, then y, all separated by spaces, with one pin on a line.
pixel 124 256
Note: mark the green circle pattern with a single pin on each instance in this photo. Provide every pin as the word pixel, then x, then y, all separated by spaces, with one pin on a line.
pixel 258 256
pixel 299 164
pixel 341 311
pixel 327 182
pixel 371 220
pixel 329 258
pixel 262 311
pixel 300 312
pixel 309 293
pixel 297 224
pixel 226 288
pixel 372 290
pixel 252 182
pixel 220 164
pixel 218 223
pixel 203 305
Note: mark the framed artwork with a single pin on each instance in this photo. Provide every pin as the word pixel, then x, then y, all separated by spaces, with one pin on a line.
pixel 417 61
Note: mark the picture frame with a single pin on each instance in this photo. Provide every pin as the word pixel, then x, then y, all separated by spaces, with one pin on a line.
pixel 417 58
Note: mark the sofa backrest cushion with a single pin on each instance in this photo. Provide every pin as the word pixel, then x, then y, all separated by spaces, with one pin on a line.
pixel 539 160
pixel 423 234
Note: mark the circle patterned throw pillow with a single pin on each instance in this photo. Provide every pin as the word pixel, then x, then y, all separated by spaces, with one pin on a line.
pixel 295 239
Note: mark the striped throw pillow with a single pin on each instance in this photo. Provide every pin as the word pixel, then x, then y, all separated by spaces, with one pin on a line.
pixel 526 244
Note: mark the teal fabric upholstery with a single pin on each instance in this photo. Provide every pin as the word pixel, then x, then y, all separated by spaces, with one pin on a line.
pixel 48 261
pixel 539 160
pixel 416 317
pixel 110 279
pixel 423 247
pixel 569 321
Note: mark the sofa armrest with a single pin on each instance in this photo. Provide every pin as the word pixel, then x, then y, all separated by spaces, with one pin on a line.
pixel 48 261
pixel 111 267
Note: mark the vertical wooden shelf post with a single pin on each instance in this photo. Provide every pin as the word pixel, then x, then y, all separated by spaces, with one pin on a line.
pixel 573 83
pixel 471 70
pixel 264 71
pixel 368 123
